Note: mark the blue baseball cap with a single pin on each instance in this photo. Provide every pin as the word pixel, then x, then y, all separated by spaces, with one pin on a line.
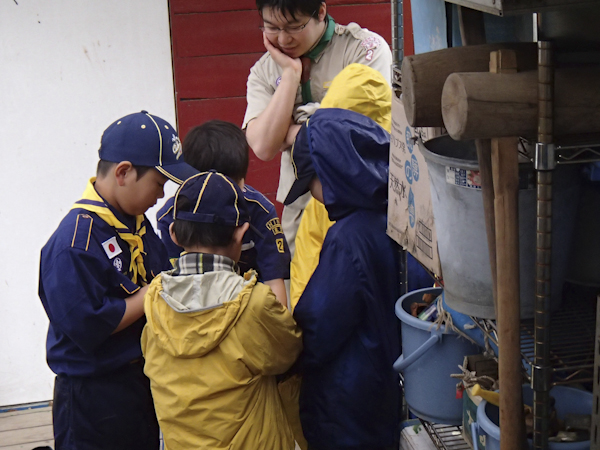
pixel 304 170
pixel 214 198
pixel 146 140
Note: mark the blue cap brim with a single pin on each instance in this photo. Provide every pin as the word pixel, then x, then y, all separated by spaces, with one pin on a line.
pixel 177 172
pixel 299 188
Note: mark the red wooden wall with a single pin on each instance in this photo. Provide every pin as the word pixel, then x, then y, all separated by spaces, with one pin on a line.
pixel 214 45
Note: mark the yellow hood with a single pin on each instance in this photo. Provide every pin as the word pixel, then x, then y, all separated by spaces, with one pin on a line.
pixel 361 89
pixel 190 315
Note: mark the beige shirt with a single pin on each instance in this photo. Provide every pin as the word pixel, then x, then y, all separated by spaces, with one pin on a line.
pixel 349 44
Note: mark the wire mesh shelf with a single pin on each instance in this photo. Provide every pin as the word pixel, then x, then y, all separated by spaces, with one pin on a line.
pixel 446 437
pixel 573 150
pixel 572 340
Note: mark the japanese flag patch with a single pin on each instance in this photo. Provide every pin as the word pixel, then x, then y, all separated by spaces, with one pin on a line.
pixel 111 247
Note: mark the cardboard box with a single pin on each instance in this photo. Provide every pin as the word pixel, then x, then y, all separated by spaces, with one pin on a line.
pixel 410 214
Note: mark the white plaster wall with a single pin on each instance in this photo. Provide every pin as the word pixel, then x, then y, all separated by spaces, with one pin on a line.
pixel 68 68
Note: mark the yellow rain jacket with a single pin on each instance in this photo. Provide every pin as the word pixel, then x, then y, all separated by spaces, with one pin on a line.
pixel 361 89
pixel 213 344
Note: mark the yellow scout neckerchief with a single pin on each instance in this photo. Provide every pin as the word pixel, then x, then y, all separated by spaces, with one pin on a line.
pixel 92 202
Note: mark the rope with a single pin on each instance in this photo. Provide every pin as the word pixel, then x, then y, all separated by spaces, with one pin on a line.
pixel 470 379
pixel 444 318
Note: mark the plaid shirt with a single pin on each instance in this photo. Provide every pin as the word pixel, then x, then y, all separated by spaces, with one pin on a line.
pixel 196 263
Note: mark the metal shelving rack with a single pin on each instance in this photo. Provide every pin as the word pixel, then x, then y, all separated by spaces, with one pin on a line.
pixel 446 437
pixel 573 332
pixel 562 347
pixel 572 337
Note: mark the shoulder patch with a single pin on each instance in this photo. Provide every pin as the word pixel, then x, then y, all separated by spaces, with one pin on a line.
pixel 280 246
pixel 82 232
pixel 370 44
pixel 274 225
pixel 111 248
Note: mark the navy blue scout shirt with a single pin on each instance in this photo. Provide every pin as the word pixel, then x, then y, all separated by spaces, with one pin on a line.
pixel 82 287
pixel 269 255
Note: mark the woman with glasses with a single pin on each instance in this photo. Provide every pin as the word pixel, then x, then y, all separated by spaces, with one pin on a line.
pixel 306 49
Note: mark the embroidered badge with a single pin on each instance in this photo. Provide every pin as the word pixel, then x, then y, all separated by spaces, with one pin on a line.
pixel 177 151
pixel 277 81
pixel 280 246
pixel 118 264
pixel 274 225
pixel 370 44
pixel 111 247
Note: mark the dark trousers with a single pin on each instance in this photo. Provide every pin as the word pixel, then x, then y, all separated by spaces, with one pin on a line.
pixel 109 412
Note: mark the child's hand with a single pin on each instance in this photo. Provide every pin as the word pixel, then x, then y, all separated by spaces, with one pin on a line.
pixel 281 59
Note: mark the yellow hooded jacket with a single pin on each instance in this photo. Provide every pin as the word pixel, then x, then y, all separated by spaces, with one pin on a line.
pixel 213 344
pixel 361 89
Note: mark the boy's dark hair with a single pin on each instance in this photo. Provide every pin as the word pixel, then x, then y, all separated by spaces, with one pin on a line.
pixel 192 234
pixel 291 7
pixel 105 166
pixel 217 145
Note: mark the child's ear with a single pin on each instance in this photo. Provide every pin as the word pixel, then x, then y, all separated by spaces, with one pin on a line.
pixel 122 170
pixel 172 234
pixel 238 234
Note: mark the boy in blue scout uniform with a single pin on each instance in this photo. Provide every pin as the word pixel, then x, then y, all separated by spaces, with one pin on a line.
pixel 94 272
pixel 222 146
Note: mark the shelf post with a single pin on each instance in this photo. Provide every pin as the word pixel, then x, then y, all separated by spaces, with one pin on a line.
pixel 545 163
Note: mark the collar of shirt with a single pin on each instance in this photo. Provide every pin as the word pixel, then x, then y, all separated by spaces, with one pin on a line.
pixel 198 263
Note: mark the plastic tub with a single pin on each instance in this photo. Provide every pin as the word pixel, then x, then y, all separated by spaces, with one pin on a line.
pixel 486 431
pixel 429 357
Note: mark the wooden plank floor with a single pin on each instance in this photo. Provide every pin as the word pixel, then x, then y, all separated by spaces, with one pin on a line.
pixel 26 428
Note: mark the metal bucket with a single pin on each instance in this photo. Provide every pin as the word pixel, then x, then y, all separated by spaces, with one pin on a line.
pixel 460 224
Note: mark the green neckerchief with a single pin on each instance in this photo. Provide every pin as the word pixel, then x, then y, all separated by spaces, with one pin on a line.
pixel 92 202
pixel 316 51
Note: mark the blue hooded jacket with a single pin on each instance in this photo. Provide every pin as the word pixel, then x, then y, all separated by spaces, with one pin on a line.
pixel 350 396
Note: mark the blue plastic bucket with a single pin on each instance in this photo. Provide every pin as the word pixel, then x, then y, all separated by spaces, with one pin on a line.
pixel 429 357
pixel 486 431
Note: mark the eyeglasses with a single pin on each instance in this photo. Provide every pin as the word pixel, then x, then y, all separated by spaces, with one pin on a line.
pixel 270 29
